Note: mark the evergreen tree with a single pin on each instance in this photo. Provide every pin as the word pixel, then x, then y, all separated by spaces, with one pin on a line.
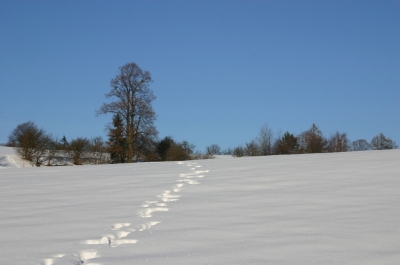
pixel 169 150
pixel 117 141
pixel 163 146
pixel 287 145
pixel 64 143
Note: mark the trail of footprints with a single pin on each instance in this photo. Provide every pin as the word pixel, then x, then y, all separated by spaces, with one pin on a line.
pixel 119 231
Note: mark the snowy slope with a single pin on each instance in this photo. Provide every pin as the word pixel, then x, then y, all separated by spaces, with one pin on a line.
pixel 341 208
pixel 8 159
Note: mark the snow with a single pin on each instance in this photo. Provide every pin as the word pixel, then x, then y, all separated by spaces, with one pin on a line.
pixel 8 159
pixel 340 208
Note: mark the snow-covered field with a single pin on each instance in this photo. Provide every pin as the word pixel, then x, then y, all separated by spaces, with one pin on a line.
pixel 341 208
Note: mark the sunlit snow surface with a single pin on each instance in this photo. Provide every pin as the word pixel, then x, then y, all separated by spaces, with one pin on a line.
pixel 341 208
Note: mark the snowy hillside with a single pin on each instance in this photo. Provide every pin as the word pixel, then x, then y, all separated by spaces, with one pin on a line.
pixel 341 208
pixel 8 159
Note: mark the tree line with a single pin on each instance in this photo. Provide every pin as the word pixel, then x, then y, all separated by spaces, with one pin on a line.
pixel 132 135
pixel 309 141
pixel 36 145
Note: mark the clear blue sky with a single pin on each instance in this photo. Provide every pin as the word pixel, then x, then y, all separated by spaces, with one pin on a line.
pixel 221 69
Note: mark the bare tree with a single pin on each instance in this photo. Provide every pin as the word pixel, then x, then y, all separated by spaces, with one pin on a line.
pixel 133 98
pixel 53 150
pixel 338 143
pixel 188 147
pixel 40 152
pixel 238 151
pixel 77 149
pixel 147 144
pixel 28 141
pixel 361 145
pixel 213 149
pixel 265 140
pixel 228 151
pixel 381 142
pixel 252 149
pixel 98 151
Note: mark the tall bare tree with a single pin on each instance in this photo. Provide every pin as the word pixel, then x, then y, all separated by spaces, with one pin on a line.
pixel 265 140
pixel 338 143
pixel 132 100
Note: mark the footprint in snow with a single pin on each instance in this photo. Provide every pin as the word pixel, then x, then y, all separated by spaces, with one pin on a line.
pixel 122 230
pixel 146 213
pixel 83 257
pixel 117 226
